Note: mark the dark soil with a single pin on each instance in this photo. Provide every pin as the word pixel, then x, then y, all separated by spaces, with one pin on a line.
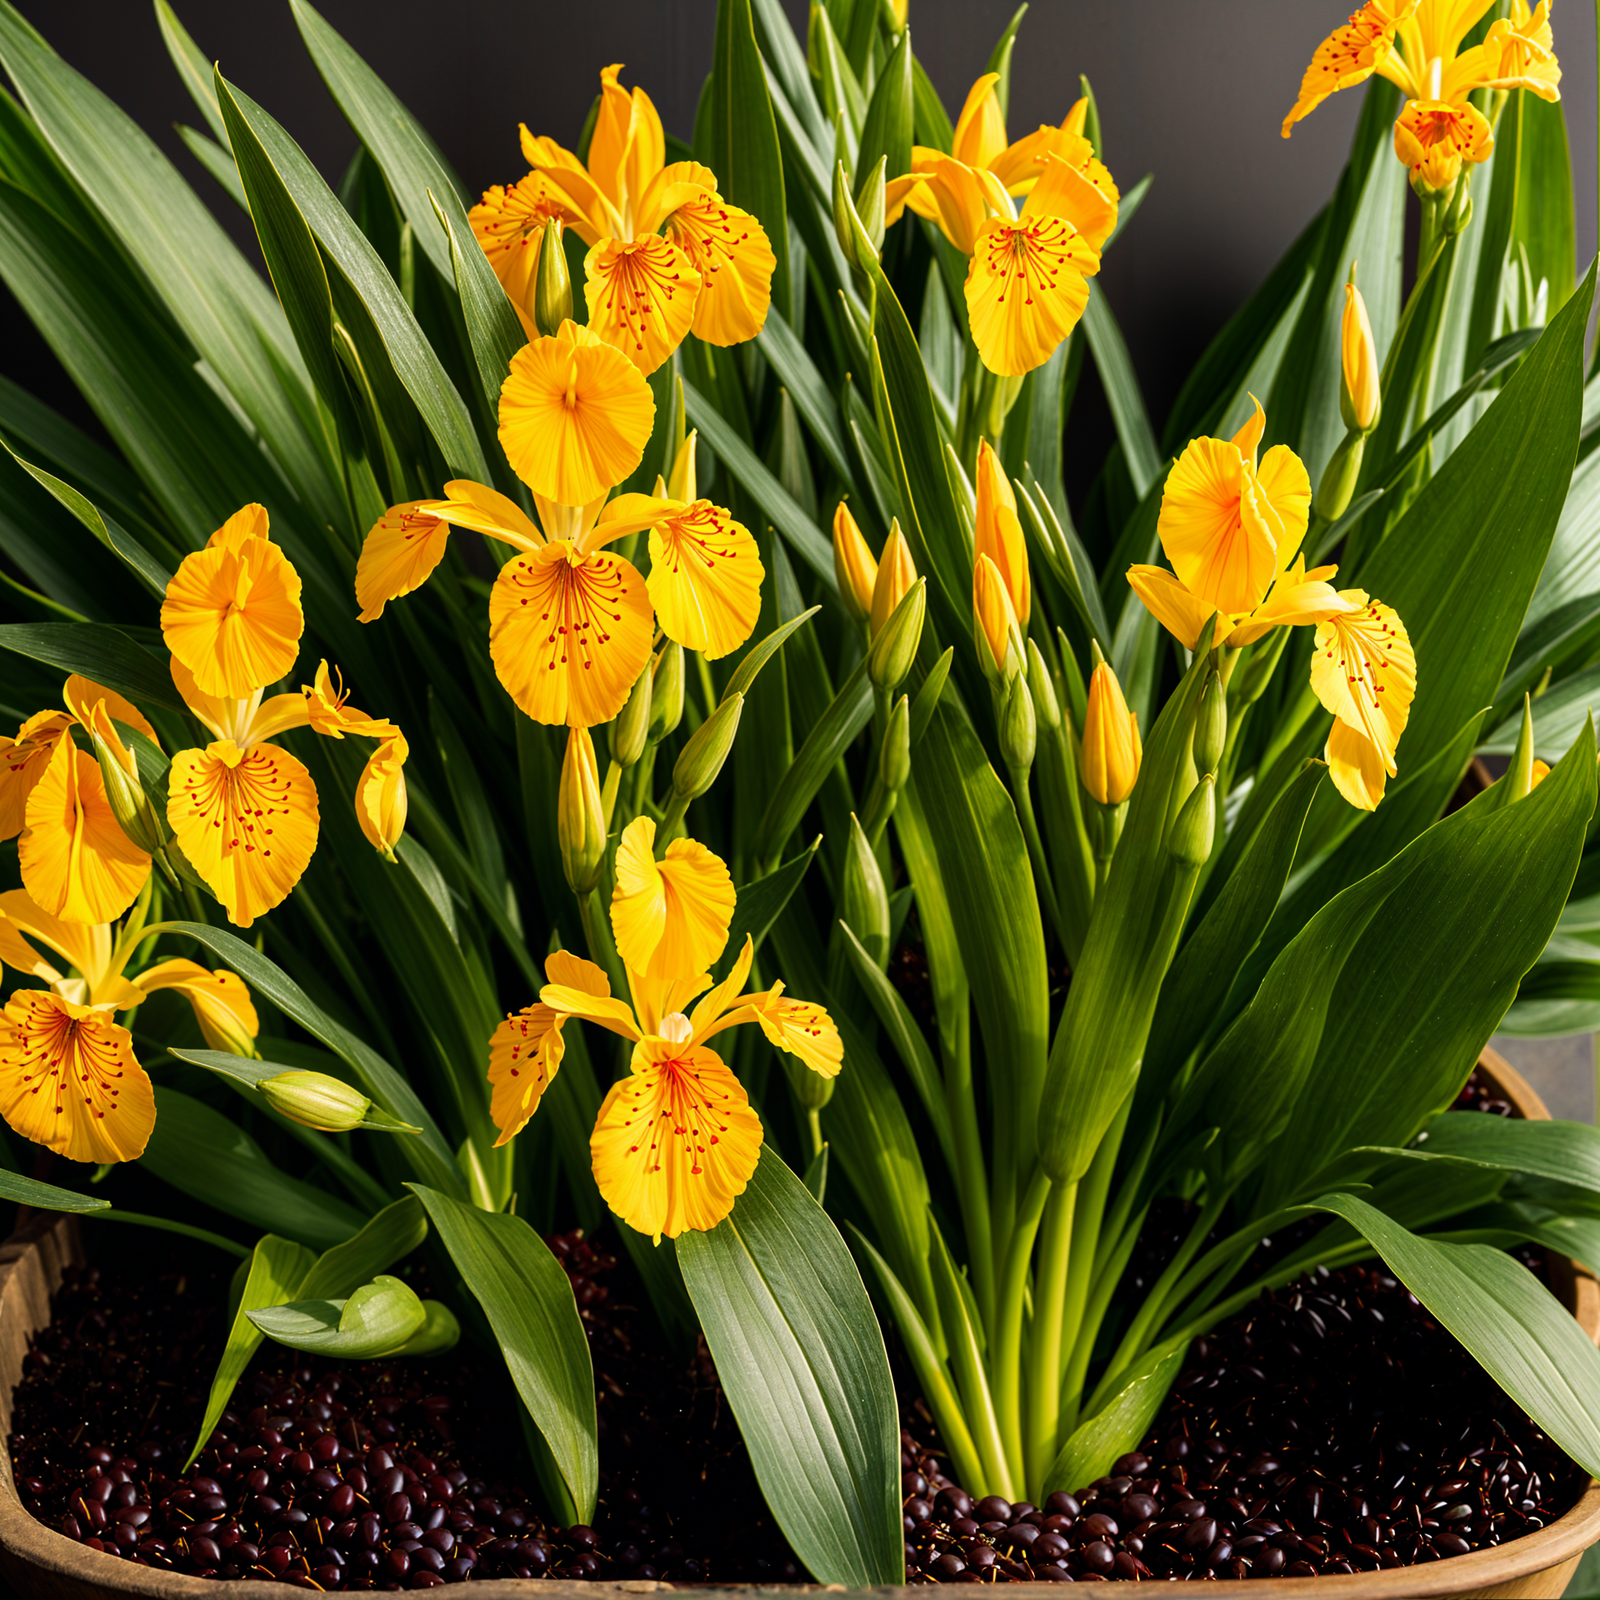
pixel 387 1475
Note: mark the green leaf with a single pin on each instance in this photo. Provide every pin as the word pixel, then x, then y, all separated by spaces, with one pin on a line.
pixel 98 651
pixel 758 905
pixel 1119 1425
pixel 1521 1335
pixel 1545 224
pixel 206 1155
pixel 1565 1152
pixel 759 655
pixel 413 359
pixel 375 1321
pixel 216 161
pixel 209 289
pixel 933 122
pixel 1347 1055
pixel 275 1269
pixel 193 68
pixel 527 1298
pixel 393 1233
pixel 799 1353
pixel 411 163
pixel 1122 392
pixel 1197 982
pixel 429 1155
pixel 983 861
pixel 744 136
pixel 1559 715
pixel 46 1196
pixel 886 131
pixel 816 1176
pixel 1000 58
pixel 253 1073
pixel 1101 1036
pixel 493 330
pixel 812 398
pixel 784 511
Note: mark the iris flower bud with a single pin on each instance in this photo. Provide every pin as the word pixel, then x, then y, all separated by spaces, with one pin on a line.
pixel 701 758
pixel 854 565
pixel 666 691
pixel 580 816
pixel 552 288
pixel 896 574
pixel 630 729
pixel 315 1100
pixel 1211 725
pixel 1019 733
pixel 1359 400
pixel 1196 825
pixel 894 646
pixel 1108 758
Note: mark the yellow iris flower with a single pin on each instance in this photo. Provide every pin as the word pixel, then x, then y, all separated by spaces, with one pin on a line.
pixel 1417 45
pixel 676 1140
pixel 1027 282
pixel 1232 530
pixel 69 1079
pixel 668 255
pixel 572 625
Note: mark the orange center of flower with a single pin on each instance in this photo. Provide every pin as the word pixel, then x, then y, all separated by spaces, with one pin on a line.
pixel 686 1111
pixel 63 1053
pixel 578 600
pixel 241 798
pixel 1025 260
pixel 637 287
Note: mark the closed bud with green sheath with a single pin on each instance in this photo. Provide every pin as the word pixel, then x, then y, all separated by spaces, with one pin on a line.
pixel 1211 726
pixel 552 284
pixel 864 901
pixel 1190 839
pixel 630 729
pixel 1019 732
pixel 701 758
pixel 894 759
pixel 666 691
pixel 895 648
pixel 316 1100
pixel 1041 686
pixel 870 202
pixel 580 815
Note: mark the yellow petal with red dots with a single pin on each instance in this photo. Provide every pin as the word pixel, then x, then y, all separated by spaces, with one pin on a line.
pixel 1079 190
pixel 641 296
pixel 705 578
pixel 509 225
pixel 1434 137
pixel 76 862
pixel 802 1028
pixel 1212 528
pixel 232 615
pixel 221 1001
pixel 1166 599
pixel 1520 52
pixel 69 1080
pixel 525 1053
pixel 247 821
pixel 399 554
pixel 1349 55
pixel 569 635
pixel 670 917
pixel 675 1142
pixel 1027 285
pixel 22 764
pixel 1297 599
pixel 574 416
pixel 731 252
pixel 1365 672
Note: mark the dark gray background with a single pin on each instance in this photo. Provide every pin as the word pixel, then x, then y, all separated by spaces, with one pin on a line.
pixel 1191 90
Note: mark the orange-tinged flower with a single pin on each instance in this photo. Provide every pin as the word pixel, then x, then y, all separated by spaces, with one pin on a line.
pixel 232 611
pixel 855 568
pixel 676 1141
pixel 403 547
pixel 997 534
pixel 995 628
pixel 1350 55
pixel 1110 752
pixel 247 822
pixel 667 252
pixel 76 862
pixel 88 947
pixel 1358 354
pixel 1541 771
pixel 509 224
pixel 572 626
pixel 1365 672
pixel 671 917
pixel 896 574
pixel 69 1080
pixel 1434 137
pixel 575 415
pixel 22 764
pixel 1229 528
pixel 221 1002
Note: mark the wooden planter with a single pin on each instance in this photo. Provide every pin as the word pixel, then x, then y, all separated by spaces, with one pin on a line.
pixel 44 1565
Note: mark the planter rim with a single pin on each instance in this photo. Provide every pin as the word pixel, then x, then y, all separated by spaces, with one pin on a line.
pixel 42 1562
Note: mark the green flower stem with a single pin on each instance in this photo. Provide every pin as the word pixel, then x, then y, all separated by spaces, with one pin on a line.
pixel 1036 855
pixel 1106 1279
pixel 597 935
pixel 672 817
pixel 1006 1348
pixel 814 1123
pixel 1050 1315
pixel 972 1180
